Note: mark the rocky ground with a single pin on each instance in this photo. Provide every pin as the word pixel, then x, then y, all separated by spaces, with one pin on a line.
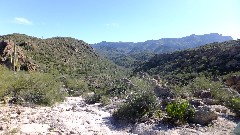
pixel 75 117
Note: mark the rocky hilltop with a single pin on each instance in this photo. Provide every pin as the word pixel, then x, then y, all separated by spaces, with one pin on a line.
pixel 62 54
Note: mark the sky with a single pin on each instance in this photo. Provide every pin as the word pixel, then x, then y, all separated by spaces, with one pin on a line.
pixel 120 20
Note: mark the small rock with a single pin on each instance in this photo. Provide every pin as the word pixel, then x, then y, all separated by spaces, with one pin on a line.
pixel 18 112
pixel 206 94
pixel 196 102
pixel 139 128
pixel 209 101
pixel 72 132
pixel 162 91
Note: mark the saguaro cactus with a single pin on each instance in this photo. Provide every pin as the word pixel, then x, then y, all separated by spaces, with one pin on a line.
pixel 14 58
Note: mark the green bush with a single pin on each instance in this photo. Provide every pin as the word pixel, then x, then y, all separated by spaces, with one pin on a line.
pixel 34 87
pixel 179 111
pixel 92 99
pixel 203 83
pixel 76 87
pixel 6 80
pixel 136 107
pixel 234 105
pixel 39 88
pixel 105 100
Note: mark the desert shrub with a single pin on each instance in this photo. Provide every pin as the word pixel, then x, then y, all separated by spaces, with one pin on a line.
pixel 92 99
pixel 105 100
pixel 203 84
pixel 35 87
pixel 136 107
pixel 6 80
pixel 179 111
pixel 234 105
pixel 223 95
pixel 98 98
pixel 75 87
pixel 142 84
pixel 179 91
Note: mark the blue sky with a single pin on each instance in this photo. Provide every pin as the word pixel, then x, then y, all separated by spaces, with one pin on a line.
pixel 119 20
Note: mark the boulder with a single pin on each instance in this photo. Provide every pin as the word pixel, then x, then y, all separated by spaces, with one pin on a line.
pixel 162 91
pixel 236 131
pixel 204 115
pixel 196 102
pixel 202 94
pixel 234 82
pixel 6 55
pixel 205 94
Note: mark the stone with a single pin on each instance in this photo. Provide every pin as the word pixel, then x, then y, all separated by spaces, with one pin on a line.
pixel 139 128
pixel 204 115
pixel 6 51
pixel 220 109
pixel 196 102
pixel 209 101
pixel 161 91
pixel 234 82
pixel 205 94
pixel 236 130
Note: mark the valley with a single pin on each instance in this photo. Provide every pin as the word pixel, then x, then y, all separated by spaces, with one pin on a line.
pixel 63 85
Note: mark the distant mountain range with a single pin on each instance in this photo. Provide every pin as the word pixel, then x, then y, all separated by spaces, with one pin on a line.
pixel 117 50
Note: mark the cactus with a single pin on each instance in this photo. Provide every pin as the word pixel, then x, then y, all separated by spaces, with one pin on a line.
pixel 11 58
pixel 14 58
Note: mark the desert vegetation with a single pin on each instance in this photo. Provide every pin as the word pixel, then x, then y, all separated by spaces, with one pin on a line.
pixel 175 88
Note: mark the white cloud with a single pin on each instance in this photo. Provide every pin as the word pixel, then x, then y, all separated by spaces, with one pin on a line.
pixel 112 24
pixel 23 21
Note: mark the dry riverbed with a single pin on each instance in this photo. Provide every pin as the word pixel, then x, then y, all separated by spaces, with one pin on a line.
pixel 75 117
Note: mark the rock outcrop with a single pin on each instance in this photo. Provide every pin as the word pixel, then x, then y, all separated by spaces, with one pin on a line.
pixel 234 82
pixel 7 56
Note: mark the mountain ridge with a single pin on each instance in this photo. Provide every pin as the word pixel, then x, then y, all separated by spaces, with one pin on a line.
pixel 214 59
pixel 130 52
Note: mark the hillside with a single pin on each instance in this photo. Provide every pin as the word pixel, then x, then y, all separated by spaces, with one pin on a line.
pixel 215 59
pixel 62 55
pixel 70 62
pixel 99 96
pixel 117 51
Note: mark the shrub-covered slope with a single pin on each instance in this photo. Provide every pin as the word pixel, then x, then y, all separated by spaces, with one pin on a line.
pixel 71 63
pixel 62 54
pixel 211 60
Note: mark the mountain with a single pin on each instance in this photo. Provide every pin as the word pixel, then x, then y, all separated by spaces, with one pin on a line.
pixel 215 59
pixel 61 55
pixel 119 50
